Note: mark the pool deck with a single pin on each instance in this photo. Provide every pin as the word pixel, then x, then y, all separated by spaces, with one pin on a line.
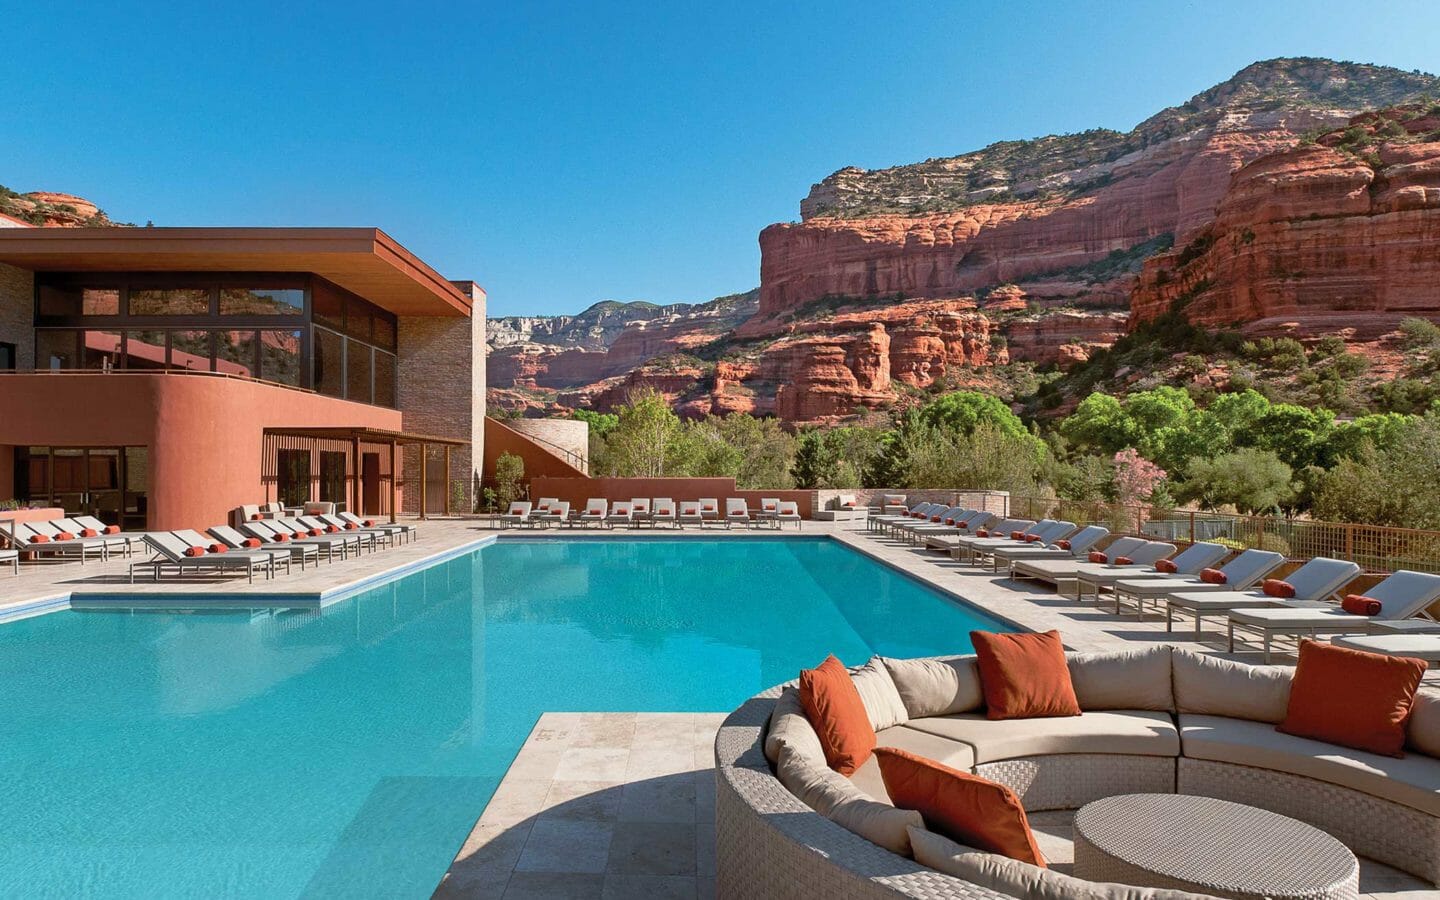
pixel 619 804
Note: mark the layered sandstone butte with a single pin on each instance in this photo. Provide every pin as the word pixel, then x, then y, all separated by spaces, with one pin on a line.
pixel 920 277
pixel 1336 236
pixel 50 209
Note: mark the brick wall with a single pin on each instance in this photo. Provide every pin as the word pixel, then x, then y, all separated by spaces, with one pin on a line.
pixel 17 313
pixel 570 435
pixel 441 390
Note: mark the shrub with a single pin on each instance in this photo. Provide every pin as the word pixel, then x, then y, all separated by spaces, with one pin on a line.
pixel 509 478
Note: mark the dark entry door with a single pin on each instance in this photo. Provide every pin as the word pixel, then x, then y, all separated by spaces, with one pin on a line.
pixel 370 485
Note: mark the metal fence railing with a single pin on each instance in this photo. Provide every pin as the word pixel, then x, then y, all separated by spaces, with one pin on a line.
pixel 1375 548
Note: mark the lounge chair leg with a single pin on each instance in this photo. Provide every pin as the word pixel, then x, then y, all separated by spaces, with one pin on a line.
pixel 1267 646
pixel 1197 625
pixel 1169 618
pixel 1230 643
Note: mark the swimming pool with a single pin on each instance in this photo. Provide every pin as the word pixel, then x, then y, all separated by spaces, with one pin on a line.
pixel 347 751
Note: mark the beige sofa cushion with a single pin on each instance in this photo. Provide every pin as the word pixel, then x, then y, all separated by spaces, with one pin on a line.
pixel 1209 686
pixel 788 725
pixel 1127 679
pixel 833 796
pixel 1134 732
pixel 1020 879
pixel 936 687
pixel 1413 781
pixel 882 701
pixel 1423 727
pixel 943 750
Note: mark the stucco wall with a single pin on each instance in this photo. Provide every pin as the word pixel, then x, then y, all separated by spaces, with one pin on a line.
pixel 204 434
pixel 441 388
pixel 569 435
pixel 17 313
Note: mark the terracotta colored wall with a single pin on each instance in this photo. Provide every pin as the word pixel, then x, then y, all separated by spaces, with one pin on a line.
pixel 204 434
pixel 539 460
pixel 578 490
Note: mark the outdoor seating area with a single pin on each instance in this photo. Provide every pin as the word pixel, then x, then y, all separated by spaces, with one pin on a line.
pixel 648 512
pixel 915 777
pixel 77 537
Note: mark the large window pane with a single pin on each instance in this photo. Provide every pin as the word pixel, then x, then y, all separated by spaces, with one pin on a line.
pixel 145 349
pixel 357 372
pixel 280 356
pixel 56 349
pixel 332 476
pixel 101 350
pixel 384 331
pixel 293 488
pixel 100 301
pixel 235 353
pixel 59 301
pixel 190 350
pixel 262 301
pixel 384 378
pixel 170 302
pixel 327 307
pixel 329 364
pixel 358 318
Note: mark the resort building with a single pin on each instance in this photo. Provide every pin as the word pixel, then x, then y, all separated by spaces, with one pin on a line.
pixel 159 378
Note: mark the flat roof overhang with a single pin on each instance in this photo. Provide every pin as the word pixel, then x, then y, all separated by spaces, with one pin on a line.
pixel 365 261
pixel 367 435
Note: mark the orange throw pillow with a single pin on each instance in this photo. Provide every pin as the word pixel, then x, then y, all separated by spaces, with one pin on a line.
pixel 1124 561
pixel 1360 605
pixel 835 710
pixel 1097 557
pixel 1274 587
pixel 1352 698
pixel 967 808
pixel 1024 676
pixel 1166 565
pixel 1213 576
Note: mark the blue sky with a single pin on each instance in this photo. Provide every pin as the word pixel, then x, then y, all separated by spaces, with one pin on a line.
pixel 566 153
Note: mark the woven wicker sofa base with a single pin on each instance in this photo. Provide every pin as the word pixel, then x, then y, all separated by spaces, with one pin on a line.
pixel 1393 834
pixel 1069 781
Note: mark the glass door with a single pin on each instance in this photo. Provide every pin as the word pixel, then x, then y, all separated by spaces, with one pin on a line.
pixel 102 488
pixel 105 482
pixel 67 480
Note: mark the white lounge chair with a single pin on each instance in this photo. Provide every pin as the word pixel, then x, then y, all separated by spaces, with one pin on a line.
pixel 769 511
pixel 1240 573
pixel 663 510
pixel 594 512
pixel 1191 561
pixel 995 531
pixel 621 513
pixel 710 509
pixel 516 515
pixel 397 529
pixel 272 532
pixel 975 552
pixel 942 522
pixel 379 533
pixel 542 506
pixel 557 513
pixel 40 539
pixel 1315 581
pixel 917 513
pixel 737 511
pixel 1402 595
pixel 215 546
pixel 690 514
pixel 113 540
pixel 788 511
pixel 112 532
pixel 171 551
pixel 12 558
pixel 1416 646
pixel 1124 554
pixel 640 511
pixel 237 541
pixel 316 527
pixel 966 526
pixel 1077 547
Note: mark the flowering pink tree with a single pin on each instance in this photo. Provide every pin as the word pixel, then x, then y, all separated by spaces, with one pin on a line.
pixel 1136 477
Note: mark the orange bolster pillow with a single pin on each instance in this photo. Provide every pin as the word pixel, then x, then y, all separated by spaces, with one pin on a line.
pixel 1165 565
pixel 282 537
pixel 1017 535
pixel 40 539
pixel 770 507
pixel 314 532
pixel 64 536
pixel 89 532
pixel 949 521
pixel 1063 545
pixel 349 527
pixel 1097 557
pixel 934 518
pixel 219 548
pixel 370 523
pixel 1360 605
pixel 194 551
pixel 331 529
pixel 1213 576
pixel 1274 587
pixel 980 532
pixel 850 504
pixel 1032 538
pixel 254 517
pixel 1124 561
pixel 252 542
pixel 112 529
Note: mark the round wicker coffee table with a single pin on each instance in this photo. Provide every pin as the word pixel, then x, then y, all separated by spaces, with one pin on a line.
pixel 1211 846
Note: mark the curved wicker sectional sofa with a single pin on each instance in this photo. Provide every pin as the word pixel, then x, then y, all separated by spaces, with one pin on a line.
pixel 1158 720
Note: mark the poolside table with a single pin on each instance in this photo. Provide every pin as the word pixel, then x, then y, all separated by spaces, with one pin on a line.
pixel 1210 846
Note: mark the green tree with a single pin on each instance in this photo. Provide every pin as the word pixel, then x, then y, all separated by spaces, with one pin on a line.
pixel 648 440
pixel 509 478
pixel 1380 431
pixel 964 411
pixel 600 423
pixel 817 459
pixel 1298 436
pixel 757 453
pixel 1249 479
pixel 1391 486
pixel 1100 425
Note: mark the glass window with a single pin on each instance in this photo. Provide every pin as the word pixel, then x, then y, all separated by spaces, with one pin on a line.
pixel 384 331
pixel 357 372
pixel 170 302
pixel 190 350
pixel 56 349
pixel 332 476
pixel 262 301
pixel 329 365
pixel 384 378
pixel 65 300
pixel 327 307
pixel 293 487
pixel 101 350
pixel 358 320
pixel 235 353
pixel 145 349
pixel 100 301
pixel 7 356
pixel 280 356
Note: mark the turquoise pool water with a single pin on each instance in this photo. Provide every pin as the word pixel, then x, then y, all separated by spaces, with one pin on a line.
pixel 347 752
